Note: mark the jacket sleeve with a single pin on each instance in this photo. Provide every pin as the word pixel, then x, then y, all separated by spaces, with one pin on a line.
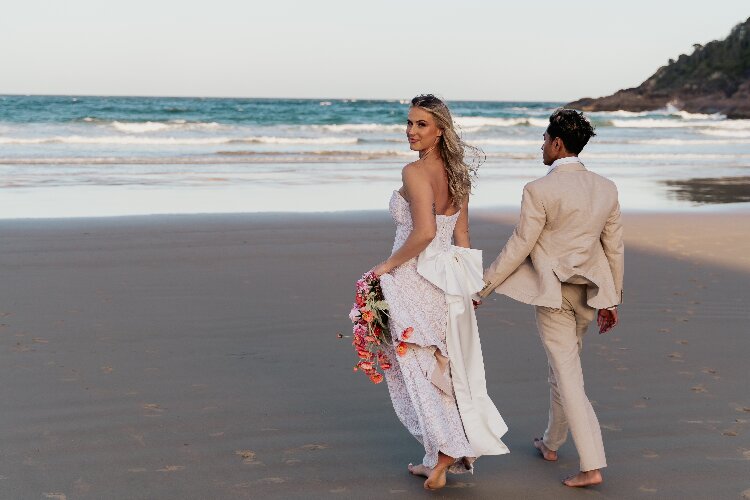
pixel 520 244
pixel 614 248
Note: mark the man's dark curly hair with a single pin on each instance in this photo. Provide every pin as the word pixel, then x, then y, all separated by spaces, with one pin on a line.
pixel 572 127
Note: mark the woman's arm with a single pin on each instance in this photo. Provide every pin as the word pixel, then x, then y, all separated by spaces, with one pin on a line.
pixel 422 206
pixel 461 231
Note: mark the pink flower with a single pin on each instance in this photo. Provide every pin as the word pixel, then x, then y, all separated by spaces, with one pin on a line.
pixel 407 333
pixel 376 377
pixel 354 314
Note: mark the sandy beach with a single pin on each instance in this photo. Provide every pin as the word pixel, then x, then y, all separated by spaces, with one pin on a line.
pixel 196 357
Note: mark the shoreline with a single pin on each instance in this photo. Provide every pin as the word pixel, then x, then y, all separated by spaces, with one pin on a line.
pixel 703 210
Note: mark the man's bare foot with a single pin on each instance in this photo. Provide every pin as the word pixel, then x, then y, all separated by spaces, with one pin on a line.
pixel 581 479
pixel 436 479
pixel 547 454
pixel 419 470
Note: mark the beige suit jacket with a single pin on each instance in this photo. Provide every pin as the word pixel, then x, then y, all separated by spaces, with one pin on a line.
pixel 569 231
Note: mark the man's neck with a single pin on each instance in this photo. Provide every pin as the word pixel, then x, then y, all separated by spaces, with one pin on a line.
pixel 570 158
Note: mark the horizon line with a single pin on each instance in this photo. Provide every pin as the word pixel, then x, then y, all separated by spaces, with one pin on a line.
pixel 163 96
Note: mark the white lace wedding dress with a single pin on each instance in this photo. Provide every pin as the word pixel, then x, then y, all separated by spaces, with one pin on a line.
pixel 419 381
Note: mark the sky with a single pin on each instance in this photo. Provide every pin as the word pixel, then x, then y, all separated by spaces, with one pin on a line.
pixel 543 50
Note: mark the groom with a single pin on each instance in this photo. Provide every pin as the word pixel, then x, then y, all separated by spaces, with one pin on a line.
pixel 566 258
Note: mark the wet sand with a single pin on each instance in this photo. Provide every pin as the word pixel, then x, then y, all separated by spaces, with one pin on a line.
pixel 197 357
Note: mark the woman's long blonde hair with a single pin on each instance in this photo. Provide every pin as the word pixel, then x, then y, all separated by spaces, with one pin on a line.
pixel 452 148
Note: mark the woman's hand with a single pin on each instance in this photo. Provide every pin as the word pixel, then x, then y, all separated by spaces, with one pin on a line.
pixel 381 269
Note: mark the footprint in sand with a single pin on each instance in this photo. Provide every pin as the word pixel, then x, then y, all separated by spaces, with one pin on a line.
pixel 293 461
pixel 611 427
pixel 646 489
pixel 38 340
pixel 730 433
pixel 311 447
pixel 676 356
pixel 340 489
pixel 248 457
pixel 746 454
pixel 683 342
pixel 55 496
pixel 171 468
pixel 137 469
pixel 640 404
pixel 700 388
pixel 664 330
pixel 745 494
pixel 152 409
pixel 106 369
pixel 650 454
pixel 271 480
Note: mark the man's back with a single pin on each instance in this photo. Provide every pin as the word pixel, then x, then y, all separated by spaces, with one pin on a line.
pixel 570 231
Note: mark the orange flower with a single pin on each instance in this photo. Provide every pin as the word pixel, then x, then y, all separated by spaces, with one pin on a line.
pixel 364 354
pixel 365 365
pixel 367 315
pixel 401 348
pixel 376 378
pixel 385 366
pixel 407 333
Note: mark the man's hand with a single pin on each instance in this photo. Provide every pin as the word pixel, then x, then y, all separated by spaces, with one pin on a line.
pixel 606 319
pixel 486 291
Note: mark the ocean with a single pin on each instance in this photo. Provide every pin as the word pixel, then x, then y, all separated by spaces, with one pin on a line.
pixel 74 156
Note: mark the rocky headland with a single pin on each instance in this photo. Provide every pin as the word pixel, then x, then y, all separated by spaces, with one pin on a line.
pixel 715 78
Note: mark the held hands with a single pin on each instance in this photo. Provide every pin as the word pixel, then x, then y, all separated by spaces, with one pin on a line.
pixel 606 319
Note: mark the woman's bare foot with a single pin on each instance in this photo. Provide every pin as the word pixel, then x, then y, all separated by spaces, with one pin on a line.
pixel 419 470
pixel 547 454
pixel 581 479
pixel 436 479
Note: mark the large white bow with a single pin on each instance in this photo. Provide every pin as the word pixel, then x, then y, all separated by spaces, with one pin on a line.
pixel 458 272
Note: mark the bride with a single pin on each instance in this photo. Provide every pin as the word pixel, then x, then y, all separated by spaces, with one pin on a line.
pixel 436 382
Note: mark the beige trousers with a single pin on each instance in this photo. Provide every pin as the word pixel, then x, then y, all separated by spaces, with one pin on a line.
pixel 562 333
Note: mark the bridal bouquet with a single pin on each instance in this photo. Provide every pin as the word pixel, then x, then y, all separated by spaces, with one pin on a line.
pixel 370 317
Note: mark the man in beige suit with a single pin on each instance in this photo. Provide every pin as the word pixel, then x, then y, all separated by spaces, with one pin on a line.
pixel 566 258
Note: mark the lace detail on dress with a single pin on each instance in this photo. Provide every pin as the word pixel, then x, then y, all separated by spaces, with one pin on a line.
pixel 429 413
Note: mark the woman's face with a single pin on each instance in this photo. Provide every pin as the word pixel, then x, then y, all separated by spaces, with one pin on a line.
pixel 421 129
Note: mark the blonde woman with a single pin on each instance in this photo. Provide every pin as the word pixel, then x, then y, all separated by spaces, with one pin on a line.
pixel 430 386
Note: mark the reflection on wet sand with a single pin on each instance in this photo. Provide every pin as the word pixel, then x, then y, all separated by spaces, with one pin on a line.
pixel 711 189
